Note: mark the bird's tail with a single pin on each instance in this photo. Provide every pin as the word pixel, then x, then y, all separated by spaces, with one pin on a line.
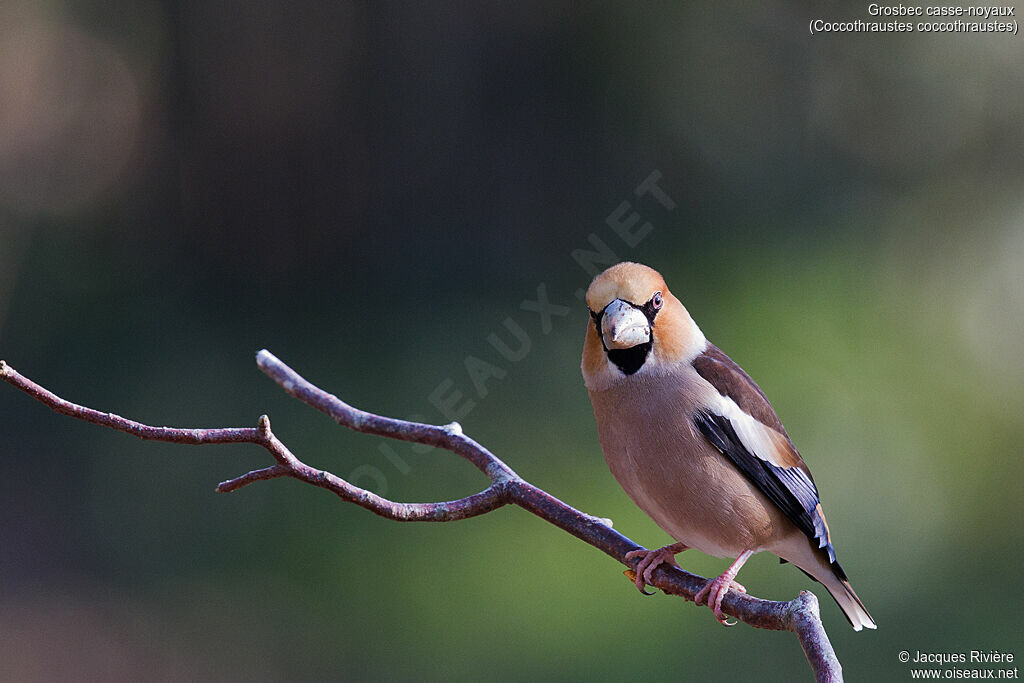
pixel 834 579
pixel 816 564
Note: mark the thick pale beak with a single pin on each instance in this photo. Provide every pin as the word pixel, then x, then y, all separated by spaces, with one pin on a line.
pixel 623 326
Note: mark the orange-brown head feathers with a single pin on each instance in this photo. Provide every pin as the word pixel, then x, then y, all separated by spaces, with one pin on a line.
pixel 628 281
pixel 637 327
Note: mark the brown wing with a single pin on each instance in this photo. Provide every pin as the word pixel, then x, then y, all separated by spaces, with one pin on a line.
pixel 764 453
pixel 731 380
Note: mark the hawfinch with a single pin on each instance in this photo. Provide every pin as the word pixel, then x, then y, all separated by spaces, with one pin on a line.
pixel 695 443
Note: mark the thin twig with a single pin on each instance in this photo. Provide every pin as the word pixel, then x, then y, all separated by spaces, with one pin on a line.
pixel 799 615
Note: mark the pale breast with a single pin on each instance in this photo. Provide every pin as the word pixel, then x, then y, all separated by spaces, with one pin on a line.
pixel 672 473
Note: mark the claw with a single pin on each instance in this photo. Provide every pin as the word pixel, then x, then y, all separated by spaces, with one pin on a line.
pixel 631 575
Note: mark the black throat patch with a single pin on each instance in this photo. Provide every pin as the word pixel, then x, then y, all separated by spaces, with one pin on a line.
pixel 632 359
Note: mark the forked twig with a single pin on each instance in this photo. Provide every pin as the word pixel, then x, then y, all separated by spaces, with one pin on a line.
pixel 799 615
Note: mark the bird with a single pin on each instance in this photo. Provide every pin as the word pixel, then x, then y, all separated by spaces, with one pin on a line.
pixel 696 445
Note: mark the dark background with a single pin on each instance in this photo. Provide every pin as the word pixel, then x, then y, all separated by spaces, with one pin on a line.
pixel 370 190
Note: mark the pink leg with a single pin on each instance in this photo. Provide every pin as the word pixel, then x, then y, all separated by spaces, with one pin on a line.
pixel 650 561
pixel 715 589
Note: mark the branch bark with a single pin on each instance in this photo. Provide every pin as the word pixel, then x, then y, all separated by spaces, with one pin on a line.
pixel 800 615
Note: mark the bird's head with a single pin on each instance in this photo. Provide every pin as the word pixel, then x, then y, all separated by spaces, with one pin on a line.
pixel 637 327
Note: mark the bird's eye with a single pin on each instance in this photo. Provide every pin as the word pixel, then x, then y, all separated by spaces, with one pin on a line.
pixel 657 301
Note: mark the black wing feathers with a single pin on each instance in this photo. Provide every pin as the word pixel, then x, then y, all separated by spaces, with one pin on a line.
pixel 788 487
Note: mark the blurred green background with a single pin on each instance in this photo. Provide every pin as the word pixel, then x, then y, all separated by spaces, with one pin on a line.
pixel 370 190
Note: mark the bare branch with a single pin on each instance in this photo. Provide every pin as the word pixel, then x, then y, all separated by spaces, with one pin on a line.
pixel 800 615
pixel 287 464
pixel 187 436
pixel 252 477
pixel 449 437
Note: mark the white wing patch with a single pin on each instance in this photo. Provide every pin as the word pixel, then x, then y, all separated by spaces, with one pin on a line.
pixel 761 440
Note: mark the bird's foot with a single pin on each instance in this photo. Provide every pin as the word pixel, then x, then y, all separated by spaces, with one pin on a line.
pixel 715 589
pixel 650 559
pixel 714 592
